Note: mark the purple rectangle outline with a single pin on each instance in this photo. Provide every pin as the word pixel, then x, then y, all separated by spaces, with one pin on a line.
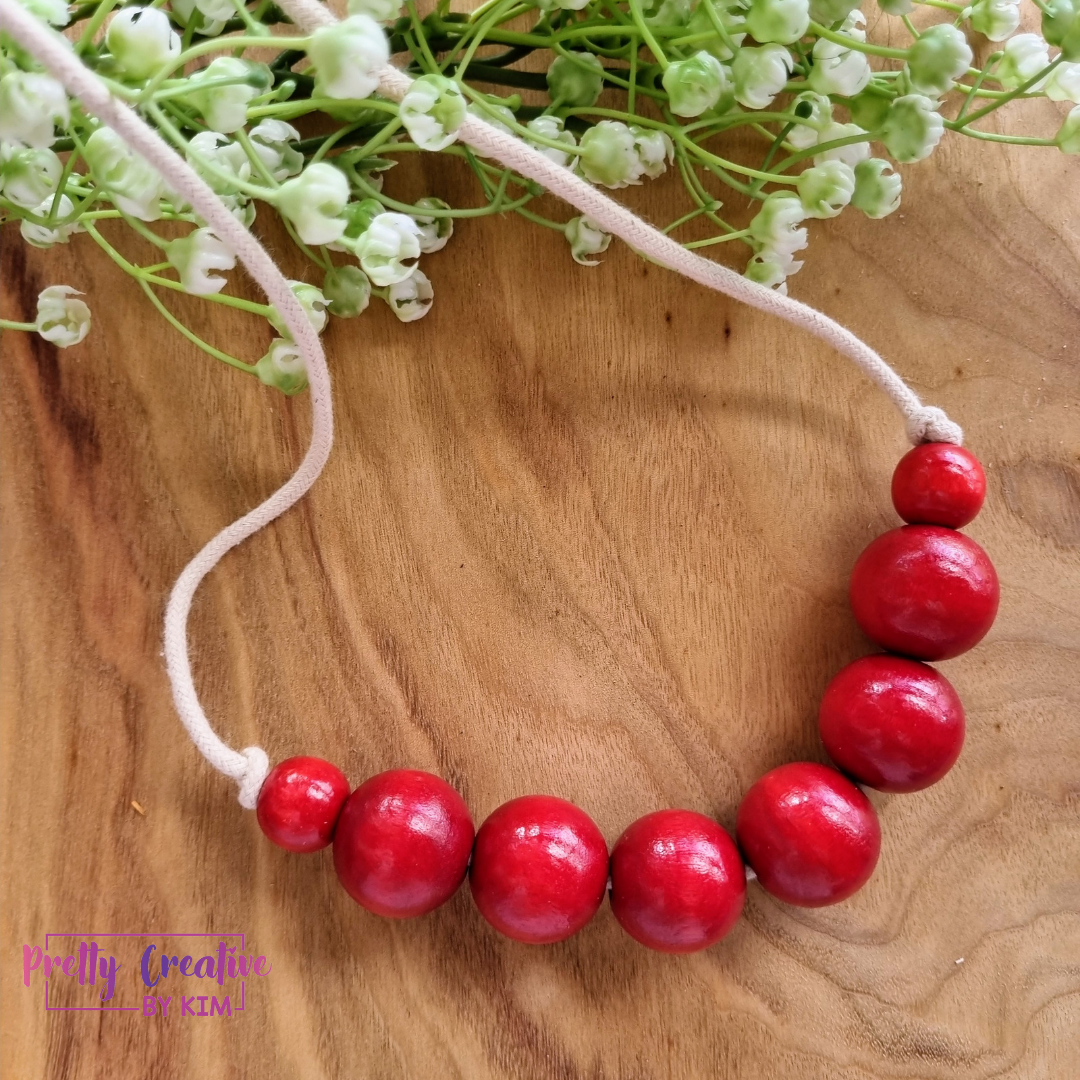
pixel 132 1008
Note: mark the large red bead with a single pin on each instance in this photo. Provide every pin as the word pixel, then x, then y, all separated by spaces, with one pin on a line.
pixel 938 484
pixel 809 834
pixel 894 724
pixel 299 803
pixel 677 881
pixel 402 843
pixel 539 869
pixel 924 591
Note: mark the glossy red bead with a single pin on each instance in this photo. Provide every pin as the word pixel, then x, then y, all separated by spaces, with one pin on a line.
pixel 299 803
pixel 924 591
pixel 809 834
pixel 938 484
pixel 402 843
pixel 677 881
pixel 894 724
pixel 539 869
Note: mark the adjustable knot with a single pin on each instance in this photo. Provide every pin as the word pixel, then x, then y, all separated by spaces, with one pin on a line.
pixel 928 423
pixel 251 779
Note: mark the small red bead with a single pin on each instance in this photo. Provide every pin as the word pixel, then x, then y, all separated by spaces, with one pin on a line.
pixel 810 835
pixel 938 484
pixel 677 881
pixel 299 803
pixel 539 869
pixel 402 844
pixel 894 724
pixel 924 591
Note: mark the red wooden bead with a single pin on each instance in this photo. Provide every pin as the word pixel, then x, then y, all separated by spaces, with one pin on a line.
pixel 924 591
pixel 539 869
pixel 677 881
pixel 894 724
pixel 402 844
pixel 810 835
pixel 938 484
pixel 299 803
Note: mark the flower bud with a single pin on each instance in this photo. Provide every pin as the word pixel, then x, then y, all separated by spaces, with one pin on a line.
pixel 388 248
pixel 347 291
pixel 609 155
pixel 815 110
pixel 31 105
pixel 44 236
pixel 911 128
pixel 1068 137
pixel 941 55
pixel 760 74
pixel 772 269
pixel 313 302
pixel 694 85
pixel 775 227
pixel 61 319
pixel 868 109
pixel 852 153
pixel 1064 83
pixel 224 108
pixel 877 188
pixel 1024 57
pixel 551 127
pixel 837 70
pixel 782 21
pixel 283 367
pixel 194 256
pixel 28 176
pixel 586 238
pixel 432 111
pixel 1061 27
pixel 655 150
pixel 272 141
pixel 133 184
pixel 142 41
pixel 826 189
pixel 435 231
pixel 575 80
pixel 358 216
pixel 411 299
pixel 348 56
pixel 996 19
pixel 313 202
pixel 382 11
pixel 225 155
pixel 830 12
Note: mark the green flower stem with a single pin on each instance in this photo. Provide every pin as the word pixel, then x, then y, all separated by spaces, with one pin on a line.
pixel 405 208
pixel 498 12
pixel 974 90
pixel 320 259
pixel 615 80
pixel 519 129
pixel 145 232
pixel 257 163
pixel 809 152
pixel 97 20
pixel 290 110
pixel 418 29
pixel 1011 94
pixel 858 46
pixel 696 188
pixel 647 35
pixel 8 324
pixel 956 9
pixel 718 25
pixel 717 239
pixel 631 93
pixel 991 136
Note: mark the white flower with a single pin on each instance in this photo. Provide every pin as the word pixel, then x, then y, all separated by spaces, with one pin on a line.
pixel 432 111
pixel 575 79
pixel 28 176
pixel 696 84
pixel 313 200
pixel 142 41
pixel 775 226
pixel 224 108
pixel 347 57
pixel 760 74
pixel 50 11
pixel 838 70
pixel 347 291
pixel 609 155
pixel 826 189
pixel 132 183
pixel 551 127
pixel 44 236
pixel 388 248
pixel 1068 136
pixel 772 269
pixel 1064 83
pixel 877 188
pixel 283 367
pixel 911 128
pixel 435 232
pixel 194 256
pixel 851 154
pixel 411 299
pixel 60 319
pixel 382 11
pixel 211 148
pixel 313 302
pixel 654 149
pixel 586 238
pixel 31 105
pixel 208 26
pixel 272 142
pixel 997 19
pixel 1025 56
pixel 815 111
pixel 939 56
pixel 783 21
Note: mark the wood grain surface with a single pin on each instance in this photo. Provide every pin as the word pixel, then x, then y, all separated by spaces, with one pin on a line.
pixel 584 532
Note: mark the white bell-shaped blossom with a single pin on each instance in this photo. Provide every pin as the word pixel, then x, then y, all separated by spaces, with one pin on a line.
pixel 1063 83
pixel 435 230
pixel 655 150
pixel 347 291
pixel 45 236
pixel 194 257
pixel 1024 57
pixel 912 128
pixel 609 155
pixel 210 25
pixel 142 41
pixel 132 183
pixel 852 153
pixel 772 269
pixel 31 106
pixel 877 188
pixel 996 19
pixel 815 113
pixel 348 56
pixel 696 84
pixel 938 57
pixel 61 318
pixel 28 175
pixel 388 248
pixel 313 202
pixel 283 367
pixel 825 189
pixel 760 74
pixel 776 225
pixel 432 110
pixel 412 298
pixel 839 70
pixel 314 304
pixel 50 11
pixel 586 238
pixel 272 141
pixel 224 107
pixel 231 164
pixel 552 127
pixel 780 21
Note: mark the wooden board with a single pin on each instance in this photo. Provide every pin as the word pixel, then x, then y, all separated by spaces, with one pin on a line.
pixel 584 532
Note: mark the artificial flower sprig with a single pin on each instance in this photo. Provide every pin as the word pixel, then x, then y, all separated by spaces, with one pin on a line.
pixel 629 90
